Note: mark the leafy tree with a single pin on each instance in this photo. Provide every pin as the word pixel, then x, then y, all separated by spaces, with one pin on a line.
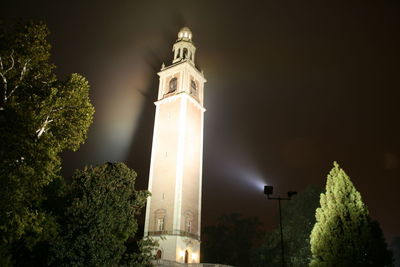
pixel 231 240
pixel 298 218
pixel 376 247
pixel 344 235
pixel 395 245
pixel 40 116
pixel 101 205
pixel 140 253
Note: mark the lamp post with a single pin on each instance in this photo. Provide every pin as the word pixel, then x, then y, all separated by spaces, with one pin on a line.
pixel 268 190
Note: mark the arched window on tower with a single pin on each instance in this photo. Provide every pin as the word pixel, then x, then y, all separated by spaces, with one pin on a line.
pixel 193 88
pixel 159 217
pixel 173 83
pixel 189 226
pixel 160 224
pixel 189 218
pixel 185 53
pixel 178 54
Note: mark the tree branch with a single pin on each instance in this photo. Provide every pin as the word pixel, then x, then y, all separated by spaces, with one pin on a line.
pixel 5 86
pixel 23 71
pixel 3 74
pixel 12 63
pixel 43 129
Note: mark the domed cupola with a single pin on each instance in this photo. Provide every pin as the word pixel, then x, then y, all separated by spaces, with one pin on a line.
pixel 184 48
pixel 185 34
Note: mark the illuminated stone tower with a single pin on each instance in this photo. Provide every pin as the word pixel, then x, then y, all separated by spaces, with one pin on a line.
pixel 174 208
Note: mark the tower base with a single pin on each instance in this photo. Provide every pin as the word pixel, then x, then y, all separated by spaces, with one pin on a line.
pixel 177 248
pixel 166 263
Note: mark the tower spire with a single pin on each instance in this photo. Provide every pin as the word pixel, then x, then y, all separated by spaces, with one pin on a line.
pixel 184 48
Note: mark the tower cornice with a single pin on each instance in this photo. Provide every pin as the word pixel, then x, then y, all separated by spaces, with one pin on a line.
pixel 180 95
pixel 184 63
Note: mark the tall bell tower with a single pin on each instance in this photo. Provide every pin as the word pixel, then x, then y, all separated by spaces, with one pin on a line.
pixel 173 213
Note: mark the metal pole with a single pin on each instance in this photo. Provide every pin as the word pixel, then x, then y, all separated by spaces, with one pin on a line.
pixel 280 222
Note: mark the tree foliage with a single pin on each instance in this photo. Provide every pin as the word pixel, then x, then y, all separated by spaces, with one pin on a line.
pixel 40 116
pixel 231 240
pixel 344 234
pixel 298 218
pixel 101 205
pixel 395 246
pixel 141 254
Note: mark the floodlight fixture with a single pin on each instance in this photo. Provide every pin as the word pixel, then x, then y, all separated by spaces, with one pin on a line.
pixel 268 190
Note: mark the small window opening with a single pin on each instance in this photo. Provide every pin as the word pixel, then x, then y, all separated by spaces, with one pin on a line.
pixel 159 254
pixel 160 224
pixel 189 226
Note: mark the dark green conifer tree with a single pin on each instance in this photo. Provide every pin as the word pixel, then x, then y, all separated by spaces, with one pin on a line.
pixel 344 234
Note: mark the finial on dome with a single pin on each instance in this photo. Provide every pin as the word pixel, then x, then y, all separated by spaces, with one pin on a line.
pixel 185 34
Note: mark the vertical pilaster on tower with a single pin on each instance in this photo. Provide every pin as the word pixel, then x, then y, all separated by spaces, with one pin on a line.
pixel 173 212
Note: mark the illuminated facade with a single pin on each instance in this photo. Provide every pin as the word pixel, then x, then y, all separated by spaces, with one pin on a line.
pixel 173 213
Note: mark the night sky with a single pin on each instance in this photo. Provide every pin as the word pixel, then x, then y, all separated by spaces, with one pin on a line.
pixel 292 86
